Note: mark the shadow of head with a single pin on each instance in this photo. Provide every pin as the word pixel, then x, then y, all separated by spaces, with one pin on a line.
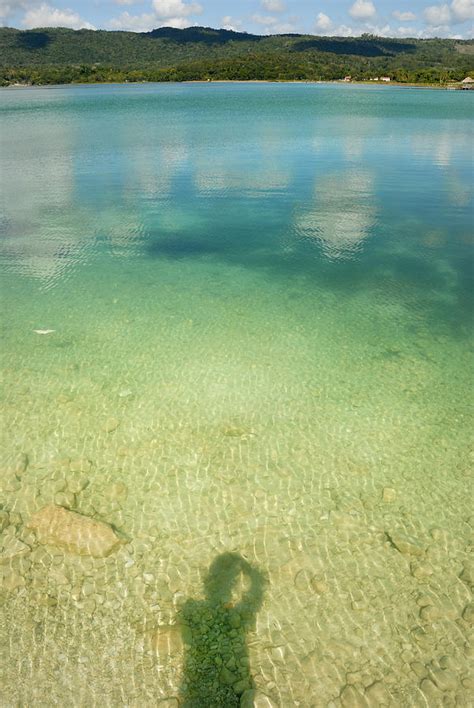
pixel 230 576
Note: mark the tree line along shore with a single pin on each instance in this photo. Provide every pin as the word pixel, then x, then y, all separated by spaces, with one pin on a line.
pixel 61 56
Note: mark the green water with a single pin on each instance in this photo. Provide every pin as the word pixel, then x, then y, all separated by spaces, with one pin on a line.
pixel 260 375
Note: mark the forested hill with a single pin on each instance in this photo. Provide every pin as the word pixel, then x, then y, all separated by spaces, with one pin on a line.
pixel 58 55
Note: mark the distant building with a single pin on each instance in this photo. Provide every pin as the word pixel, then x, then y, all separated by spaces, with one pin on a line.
pixel 347 78
pixel 385 78
pixel 467 83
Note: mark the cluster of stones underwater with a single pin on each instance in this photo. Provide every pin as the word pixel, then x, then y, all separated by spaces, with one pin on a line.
pixel 103 575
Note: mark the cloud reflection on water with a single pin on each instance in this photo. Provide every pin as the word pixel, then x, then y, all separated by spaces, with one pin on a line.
pixel 37 184
pixel 342 214
pixel 73 187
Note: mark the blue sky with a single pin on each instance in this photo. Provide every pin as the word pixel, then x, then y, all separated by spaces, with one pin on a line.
pixel 403 18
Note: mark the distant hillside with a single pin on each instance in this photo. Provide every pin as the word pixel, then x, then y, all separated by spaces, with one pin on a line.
pixel 62 55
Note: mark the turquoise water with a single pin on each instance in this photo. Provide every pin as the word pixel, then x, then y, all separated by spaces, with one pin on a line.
pixel 259 374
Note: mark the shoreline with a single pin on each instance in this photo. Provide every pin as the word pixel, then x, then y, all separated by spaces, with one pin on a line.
pixel 338 82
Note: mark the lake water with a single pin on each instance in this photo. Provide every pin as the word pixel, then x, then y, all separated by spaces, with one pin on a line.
pixel 259 374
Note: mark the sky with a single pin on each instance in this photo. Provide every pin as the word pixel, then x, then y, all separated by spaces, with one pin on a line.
pixel 395 18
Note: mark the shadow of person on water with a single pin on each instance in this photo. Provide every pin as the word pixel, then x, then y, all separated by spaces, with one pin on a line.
pixel 216 668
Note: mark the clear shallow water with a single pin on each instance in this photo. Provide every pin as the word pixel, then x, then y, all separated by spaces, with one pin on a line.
pixel 261 298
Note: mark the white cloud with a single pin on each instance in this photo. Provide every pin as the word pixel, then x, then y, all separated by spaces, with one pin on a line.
pixel 231 23
pixel 388 30
pixel 126 2
pixel 11 7
pixel 272 25
pixel 5 10
pixel 382 31
pixel 323 22
pixel 363 9
pixel 463 10
pixel 404 16
pixel 47 16
pixel 166 13
pixel 267 20
pixel 146 22
pixel 437 15
pixel 273 5
pixel 175 8
pixel 284 28
pixel 347 31
pixel 134 23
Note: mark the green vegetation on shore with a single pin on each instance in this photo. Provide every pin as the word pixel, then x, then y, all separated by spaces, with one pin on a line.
pixel 61 56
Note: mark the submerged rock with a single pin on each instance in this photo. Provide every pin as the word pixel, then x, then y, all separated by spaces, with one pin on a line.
pixel 255 699
pixel 9 483
pixel 377 694
pixel 303 580
pixel 12 547
pixel 320 586
pixel 82 464
pixel 4 520
pixel 444 679
pixel 430 613
pixel 432 694
pixel 11 580
pixel 66 499
pixel 165 641
pixel 351 698
pixel 73 532
pixel 116 492
pixel 241 686
pixel 77 485
pixel 467 573
pixel 389 494
pixel 421 571
pixel 21 464
pixel 406 544
pixel 468 613
pixel 110 425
